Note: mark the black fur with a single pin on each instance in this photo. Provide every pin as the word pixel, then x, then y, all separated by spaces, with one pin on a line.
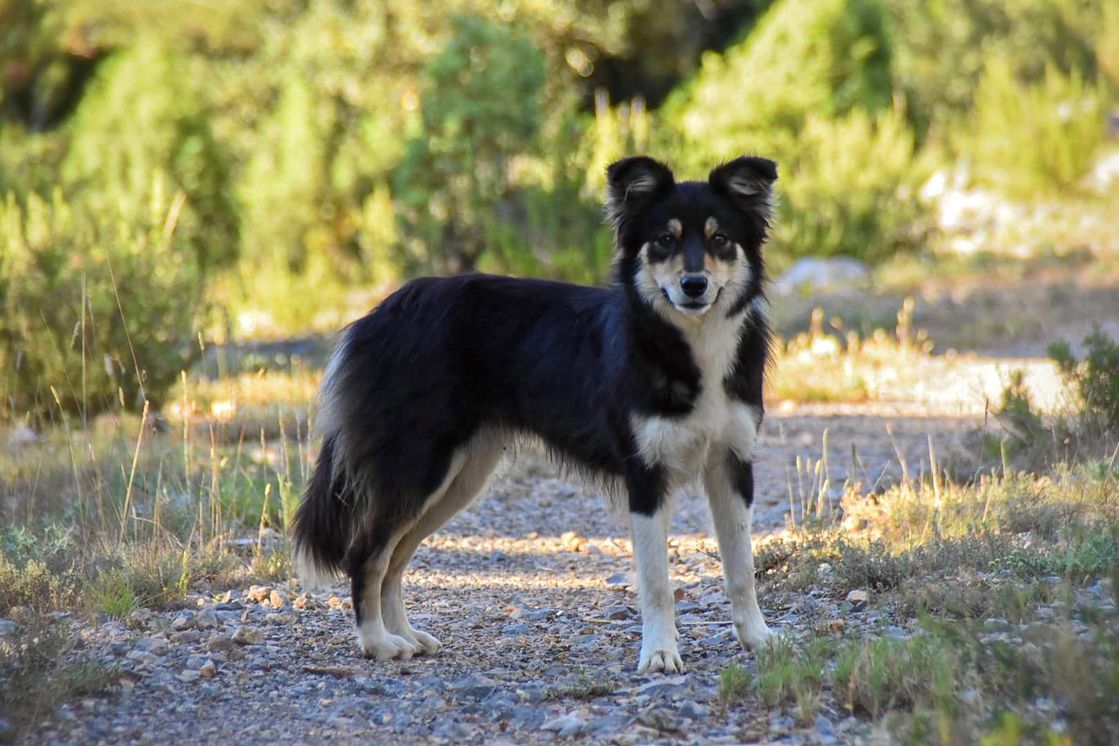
pixel 441 359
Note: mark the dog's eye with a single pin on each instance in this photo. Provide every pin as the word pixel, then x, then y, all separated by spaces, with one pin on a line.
pixel 718 240
pixel 666 239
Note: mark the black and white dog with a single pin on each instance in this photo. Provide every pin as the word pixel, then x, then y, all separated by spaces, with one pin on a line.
pixel 649 385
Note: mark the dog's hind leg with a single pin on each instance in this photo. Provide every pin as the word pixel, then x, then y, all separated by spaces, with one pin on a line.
pixel 482 456
pixel 729 481
pixel 369 561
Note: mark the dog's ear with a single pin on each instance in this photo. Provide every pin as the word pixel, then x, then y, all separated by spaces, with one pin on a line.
pixel 748 182
pixel 631 183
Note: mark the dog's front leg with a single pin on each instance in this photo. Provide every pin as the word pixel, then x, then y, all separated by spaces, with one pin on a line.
pixel 730 490
pixel 649 519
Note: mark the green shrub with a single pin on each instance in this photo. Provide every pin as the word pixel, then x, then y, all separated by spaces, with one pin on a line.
pixel 849 188
pixel 480 111
pixel 821 57
pixel 1095 379
pixel 98 301
pixel 144 113
pixel 1030 139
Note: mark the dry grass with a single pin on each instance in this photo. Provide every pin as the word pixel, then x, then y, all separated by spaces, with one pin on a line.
pixel 1005 591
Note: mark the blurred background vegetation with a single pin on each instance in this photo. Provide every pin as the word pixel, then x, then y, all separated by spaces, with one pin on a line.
pixel 176 174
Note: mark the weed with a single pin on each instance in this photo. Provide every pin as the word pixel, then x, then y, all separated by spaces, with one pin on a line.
pixel 38 672
pixel 734 682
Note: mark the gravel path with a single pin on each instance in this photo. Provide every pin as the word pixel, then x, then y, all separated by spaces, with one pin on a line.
pixel 530 591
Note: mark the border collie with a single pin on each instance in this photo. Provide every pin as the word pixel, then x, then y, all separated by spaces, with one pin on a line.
pixel 647 386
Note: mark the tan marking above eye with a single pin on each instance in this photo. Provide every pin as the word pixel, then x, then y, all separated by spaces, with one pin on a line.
pixel 710 227
pixel 676 227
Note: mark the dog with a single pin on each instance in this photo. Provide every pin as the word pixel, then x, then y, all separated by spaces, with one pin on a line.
pixel 648 385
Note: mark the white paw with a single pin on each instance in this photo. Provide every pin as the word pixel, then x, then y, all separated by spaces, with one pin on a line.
pixel 428 645
pixel 756 637
pixel 384 646
pixel 663 658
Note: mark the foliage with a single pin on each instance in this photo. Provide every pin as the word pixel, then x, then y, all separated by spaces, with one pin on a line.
pixel 480 110
pixel 98 301
pixel 1031 139
pixel 811 87
pixel 850 188
pixel 942 47
pixel 1094 378
pixel 1088 431
pixel 822 57
pixel 154 94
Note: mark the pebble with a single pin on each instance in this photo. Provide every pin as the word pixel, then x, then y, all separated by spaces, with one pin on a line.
pixel 181 622
pixel 258 593
pixel 247 636
pixel 8 627
pixel 153 645
pixel 208 670
pixel 565 725
pixel 205 620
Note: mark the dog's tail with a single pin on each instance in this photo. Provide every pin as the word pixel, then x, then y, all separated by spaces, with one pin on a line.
pixel 328 515
pixel 324 523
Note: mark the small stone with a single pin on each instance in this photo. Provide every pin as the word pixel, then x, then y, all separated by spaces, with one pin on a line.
pixel 619 612
pixel 247 636
pixel 661 718
pixel 858 596
pixel 187 636
pixel 205 620
pixel 693 710
pixel 825 731
pixel 8 627
pixel 572 541
pixel 188 677
pixel 195 662
pixel 208 670
pixel 474 686
pixel 153 645
pixel 259 593
pixel 565 725
pixel 277 599
pixel 619 581
pixel 221 644
pixel 181 622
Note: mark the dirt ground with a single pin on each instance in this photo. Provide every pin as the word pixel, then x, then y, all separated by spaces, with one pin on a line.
pixel 531 593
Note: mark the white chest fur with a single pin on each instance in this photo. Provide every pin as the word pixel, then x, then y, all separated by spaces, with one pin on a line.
pixel 682 445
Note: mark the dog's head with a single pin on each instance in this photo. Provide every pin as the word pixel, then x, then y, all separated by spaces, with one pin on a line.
pixel 693 246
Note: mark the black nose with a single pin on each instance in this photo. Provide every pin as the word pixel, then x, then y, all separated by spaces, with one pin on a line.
pixel 693 285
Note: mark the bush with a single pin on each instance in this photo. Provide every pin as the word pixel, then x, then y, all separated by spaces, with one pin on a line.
pixel 480 111
pixel 811 87
pixel 1031 139
pixel 98 301
pixel 1089 431
pixel 145 112
pixel 850 188
pixel 821 57
pixel 1095 379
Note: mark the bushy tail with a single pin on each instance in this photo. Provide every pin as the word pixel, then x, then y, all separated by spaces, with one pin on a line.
pixel 324 523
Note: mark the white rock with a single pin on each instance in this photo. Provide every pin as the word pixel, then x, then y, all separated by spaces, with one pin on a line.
pixel 858 596
pixel 565 725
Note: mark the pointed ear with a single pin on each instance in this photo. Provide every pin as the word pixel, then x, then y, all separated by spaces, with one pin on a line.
pixel 631 183
pixel 748 181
